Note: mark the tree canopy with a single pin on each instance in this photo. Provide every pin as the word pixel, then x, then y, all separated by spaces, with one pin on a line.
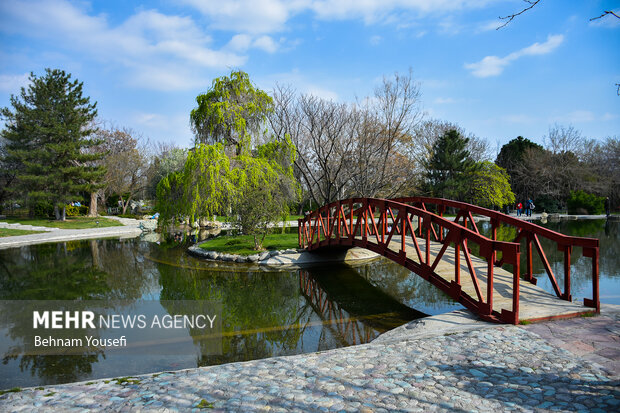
pixel 449 165
pixel 230 111
pixel 489 186
pixel 255 189
pixel 47 135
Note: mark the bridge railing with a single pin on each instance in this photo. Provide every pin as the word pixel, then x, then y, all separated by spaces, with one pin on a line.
pixel 376 223
pixel 531 234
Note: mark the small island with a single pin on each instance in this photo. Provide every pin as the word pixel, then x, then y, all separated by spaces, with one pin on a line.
pixel 279 250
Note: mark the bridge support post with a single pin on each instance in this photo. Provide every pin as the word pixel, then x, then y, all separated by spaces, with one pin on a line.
pixel 567 252
pixel 457 261
pixel 490 266
pixel 529 275
pixel 595 301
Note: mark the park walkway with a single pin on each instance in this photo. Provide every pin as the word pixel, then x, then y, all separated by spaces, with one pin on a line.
pixel 131 228
pixel 447 363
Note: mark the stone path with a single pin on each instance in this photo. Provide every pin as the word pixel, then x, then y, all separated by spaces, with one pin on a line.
pixel 429 365
pixel 131 228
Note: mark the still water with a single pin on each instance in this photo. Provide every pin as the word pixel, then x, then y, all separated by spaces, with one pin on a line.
pixel 264 313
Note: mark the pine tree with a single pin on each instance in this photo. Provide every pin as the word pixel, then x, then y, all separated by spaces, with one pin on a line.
pixel 47 135
pixel 448 167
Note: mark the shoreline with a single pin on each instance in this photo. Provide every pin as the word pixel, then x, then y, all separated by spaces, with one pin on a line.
pixel 442 363
pixel 290 258
pixel 130 228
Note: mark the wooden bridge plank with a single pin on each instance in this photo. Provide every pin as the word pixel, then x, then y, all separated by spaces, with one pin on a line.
pixel 535 303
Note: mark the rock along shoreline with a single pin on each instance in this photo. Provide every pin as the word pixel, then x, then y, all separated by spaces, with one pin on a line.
pixel 289 258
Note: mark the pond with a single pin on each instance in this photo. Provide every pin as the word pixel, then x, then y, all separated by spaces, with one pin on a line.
pixel 264 313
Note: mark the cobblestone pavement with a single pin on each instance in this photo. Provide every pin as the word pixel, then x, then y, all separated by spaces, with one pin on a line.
pixel 485 369
pixel 595 339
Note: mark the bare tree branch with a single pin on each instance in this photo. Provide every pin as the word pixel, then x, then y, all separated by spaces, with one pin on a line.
pixel 605 13
pixel 510 17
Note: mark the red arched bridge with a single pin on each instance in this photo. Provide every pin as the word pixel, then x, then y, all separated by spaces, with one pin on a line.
pixel 480 272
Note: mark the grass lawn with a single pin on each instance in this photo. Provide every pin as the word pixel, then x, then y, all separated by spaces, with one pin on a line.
pixel 244 244
pixel 227 219
pixel 11 232
pixel 70 223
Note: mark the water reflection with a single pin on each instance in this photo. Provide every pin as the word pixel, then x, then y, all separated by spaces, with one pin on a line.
pixel 608 233
pixel 264 313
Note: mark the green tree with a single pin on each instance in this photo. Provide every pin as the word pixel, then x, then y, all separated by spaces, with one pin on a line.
pixel 168 159
pixel 511 157
pixel 489 186
pixel 449 165
pixel 264 187
pixel 48 134
pixel 255 189
pixel 230 112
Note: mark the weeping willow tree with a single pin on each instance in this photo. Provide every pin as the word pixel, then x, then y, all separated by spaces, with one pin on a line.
pixel 230 112
pixel 256 187
pixel 264 187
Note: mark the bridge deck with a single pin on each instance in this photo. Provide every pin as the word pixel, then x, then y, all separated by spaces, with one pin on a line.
pixel 535 303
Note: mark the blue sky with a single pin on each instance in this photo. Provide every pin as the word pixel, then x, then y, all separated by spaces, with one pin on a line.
pixel 145 62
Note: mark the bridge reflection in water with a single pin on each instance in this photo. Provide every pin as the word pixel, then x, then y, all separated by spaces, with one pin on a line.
pixel 354 310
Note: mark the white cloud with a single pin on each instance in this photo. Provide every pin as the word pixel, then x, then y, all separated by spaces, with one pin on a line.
pixel 243 42
pixel 160 51
pixel 375 40
pixel 249 16
pixel 240 42
pixel 268 16
pixel 578 116
pixel 489 25
pixel 266 43
pixel 494 65
pixel 13 83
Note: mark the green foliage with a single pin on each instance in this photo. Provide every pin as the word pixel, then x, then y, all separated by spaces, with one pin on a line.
pixel 244 244
pixel 11 232
pixel 449 165
pixel 253 188
pixel 546 203
pixel 74 211
pixel 172 160
pixel 489 186
pixel 43 209
pixel 230 111
pixel 512 153
pixel 47 136
pixel 580 201
pixel 207 182
pixel 257 189
pixel 170 198
pixel 70 223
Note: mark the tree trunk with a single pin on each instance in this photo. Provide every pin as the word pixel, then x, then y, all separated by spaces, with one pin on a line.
pixel 92 209
pixel 126 204
pixel 58 215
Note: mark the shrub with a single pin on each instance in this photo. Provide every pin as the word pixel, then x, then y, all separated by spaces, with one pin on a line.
pixel 43 209
pixel 545 203
pixel 580 200
pixel 74 211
